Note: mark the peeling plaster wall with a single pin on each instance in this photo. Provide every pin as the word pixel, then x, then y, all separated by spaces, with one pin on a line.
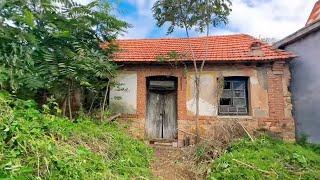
pixel 269 98
pixel 258 90
pixel 123 99
pixel 207 105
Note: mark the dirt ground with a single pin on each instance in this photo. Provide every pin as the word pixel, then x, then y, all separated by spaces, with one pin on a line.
pixel 168 164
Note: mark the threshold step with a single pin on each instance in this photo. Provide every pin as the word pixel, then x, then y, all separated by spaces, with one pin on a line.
pixel 164 142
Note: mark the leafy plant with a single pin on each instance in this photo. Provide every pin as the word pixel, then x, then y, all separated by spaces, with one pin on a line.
pixel 267 158
pixel 54 46
pixel 39 145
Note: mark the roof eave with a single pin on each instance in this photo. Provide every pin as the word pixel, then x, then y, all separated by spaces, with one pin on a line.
pixel 211 61
pixel 301 33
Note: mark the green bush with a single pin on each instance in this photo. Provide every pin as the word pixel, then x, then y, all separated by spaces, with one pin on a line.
pixel 35 144
pixel 267 158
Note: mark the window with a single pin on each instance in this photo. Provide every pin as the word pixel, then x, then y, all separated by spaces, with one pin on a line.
pixel 234 98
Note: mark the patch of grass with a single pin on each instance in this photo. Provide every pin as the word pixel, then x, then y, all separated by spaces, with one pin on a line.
pixel 267 158
pixel 38 145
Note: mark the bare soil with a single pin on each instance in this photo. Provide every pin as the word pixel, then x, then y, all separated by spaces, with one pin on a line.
pixel 168 164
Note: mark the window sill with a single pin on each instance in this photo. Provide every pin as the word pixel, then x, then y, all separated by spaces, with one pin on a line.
pixel 236 117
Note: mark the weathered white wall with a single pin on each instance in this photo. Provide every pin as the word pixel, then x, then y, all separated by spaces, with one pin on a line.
pixel 258 90
pixel 207 105
pixel 123 99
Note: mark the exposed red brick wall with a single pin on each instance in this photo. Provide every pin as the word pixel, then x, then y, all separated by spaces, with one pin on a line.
pixel 277 121
pixel 275 92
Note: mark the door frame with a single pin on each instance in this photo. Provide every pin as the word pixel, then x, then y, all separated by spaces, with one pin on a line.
pixel 161 91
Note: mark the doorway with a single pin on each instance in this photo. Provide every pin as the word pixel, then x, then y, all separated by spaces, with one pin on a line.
pixel 161 107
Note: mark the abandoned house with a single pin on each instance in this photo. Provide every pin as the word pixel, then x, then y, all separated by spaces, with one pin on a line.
pixel 305 68
pixel 157 97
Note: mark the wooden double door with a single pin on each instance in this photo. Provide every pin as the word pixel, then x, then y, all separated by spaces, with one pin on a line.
pixel 162 115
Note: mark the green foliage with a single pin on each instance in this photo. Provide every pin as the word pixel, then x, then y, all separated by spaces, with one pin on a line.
pixel 188 14
pixel 35 144
pixel 55 45
pixel 267 158
pixel 173 58
pixel 303 140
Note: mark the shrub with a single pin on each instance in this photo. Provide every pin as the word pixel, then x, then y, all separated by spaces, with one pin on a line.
pixel 35 144
pixel 267 158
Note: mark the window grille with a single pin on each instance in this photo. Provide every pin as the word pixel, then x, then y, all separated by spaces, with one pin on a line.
pixel 234 98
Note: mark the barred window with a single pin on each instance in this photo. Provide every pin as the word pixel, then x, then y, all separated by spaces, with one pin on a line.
pixel 234 98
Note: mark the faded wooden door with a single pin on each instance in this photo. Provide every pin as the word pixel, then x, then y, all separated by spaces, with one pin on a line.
pixel 162 115
pixel 170 116
pixel 154 115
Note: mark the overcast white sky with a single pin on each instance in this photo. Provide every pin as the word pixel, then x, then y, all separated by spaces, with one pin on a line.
pixel 265 18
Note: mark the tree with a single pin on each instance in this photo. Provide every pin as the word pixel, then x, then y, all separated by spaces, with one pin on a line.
pixel 54 46
pixel 199 15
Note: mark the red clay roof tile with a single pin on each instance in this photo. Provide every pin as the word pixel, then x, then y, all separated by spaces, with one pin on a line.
pixel 315 14
pixel 220 49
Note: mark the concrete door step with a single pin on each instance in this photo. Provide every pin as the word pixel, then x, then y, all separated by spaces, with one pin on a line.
pixel 164 142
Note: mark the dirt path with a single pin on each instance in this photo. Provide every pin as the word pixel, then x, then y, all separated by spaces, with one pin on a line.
pixel 167 164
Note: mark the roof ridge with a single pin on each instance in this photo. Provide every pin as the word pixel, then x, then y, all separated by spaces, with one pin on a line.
pixel 175 38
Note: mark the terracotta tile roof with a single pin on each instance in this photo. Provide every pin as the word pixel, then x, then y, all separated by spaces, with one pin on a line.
pixel 221 49
pixel 315 14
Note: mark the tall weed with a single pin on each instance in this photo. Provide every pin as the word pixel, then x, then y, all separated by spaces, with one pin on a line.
pixel 35 144
pixel 267 158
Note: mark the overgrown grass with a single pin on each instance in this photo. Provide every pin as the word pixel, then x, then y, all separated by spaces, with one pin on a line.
pixel 267 158
pixel 35 144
